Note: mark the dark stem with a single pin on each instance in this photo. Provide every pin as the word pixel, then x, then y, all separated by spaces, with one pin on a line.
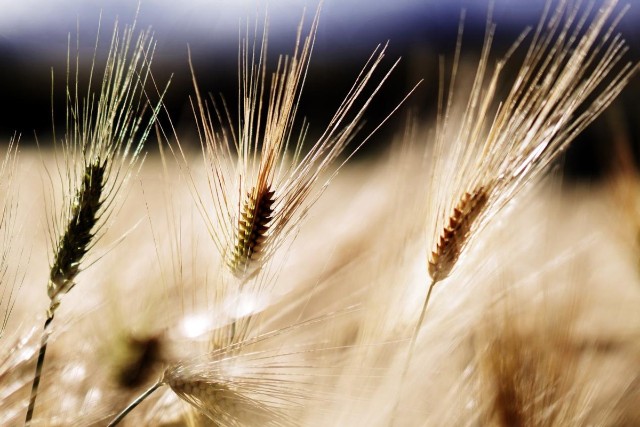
pixel 135 403
pixel 39 364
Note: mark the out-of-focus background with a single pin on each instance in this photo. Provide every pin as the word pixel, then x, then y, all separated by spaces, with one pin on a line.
pixel 34 36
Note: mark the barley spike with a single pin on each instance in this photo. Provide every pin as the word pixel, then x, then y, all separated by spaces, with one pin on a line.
pixel 456 233
pixel 72 247
pixel 251 236
pixel 75 241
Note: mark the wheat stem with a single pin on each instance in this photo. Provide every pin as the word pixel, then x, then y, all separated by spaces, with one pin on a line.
pixel 72 247
pixel 39 364
pixel 412 345
pixel 416 329
pixel 135 403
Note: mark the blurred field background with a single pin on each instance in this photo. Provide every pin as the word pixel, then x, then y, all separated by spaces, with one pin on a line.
pixel 556 273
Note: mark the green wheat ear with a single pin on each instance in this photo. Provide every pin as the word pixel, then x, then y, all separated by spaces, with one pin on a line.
pixel 102 146
pixel 74 243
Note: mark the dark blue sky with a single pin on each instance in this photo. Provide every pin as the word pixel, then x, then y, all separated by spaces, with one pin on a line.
pixel 39 27
pixel 33 40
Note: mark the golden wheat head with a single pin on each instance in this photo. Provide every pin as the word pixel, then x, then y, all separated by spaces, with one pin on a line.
pixel 260 191
pixel 488 148
pixel 570 73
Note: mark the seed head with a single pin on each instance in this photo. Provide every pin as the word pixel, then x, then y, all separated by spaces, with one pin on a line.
pixel 75 241
pixel 254 161
pixel 456 233
pixel 500 144
pixel 253 227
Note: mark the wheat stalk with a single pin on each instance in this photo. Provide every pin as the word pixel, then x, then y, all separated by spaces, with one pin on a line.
pixel 16 370
pixel 103 143
pixel 567 78
pixel 260 193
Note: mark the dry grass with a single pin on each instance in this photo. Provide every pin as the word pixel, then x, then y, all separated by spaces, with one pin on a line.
pixel 242 297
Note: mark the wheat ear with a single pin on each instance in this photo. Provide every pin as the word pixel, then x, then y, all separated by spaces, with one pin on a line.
pixel 448 250
pixel 259 380
pixel 456 233
pixel 568 77
pixel 102 144
pixel 260 191
pixel 73 245
pixel 262 181
pixel 565 82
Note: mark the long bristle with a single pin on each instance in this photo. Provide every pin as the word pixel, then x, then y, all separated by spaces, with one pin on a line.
pixel 9 286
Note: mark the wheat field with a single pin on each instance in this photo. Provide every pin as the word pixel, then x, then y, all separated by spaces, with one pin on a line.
pixel 265 274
